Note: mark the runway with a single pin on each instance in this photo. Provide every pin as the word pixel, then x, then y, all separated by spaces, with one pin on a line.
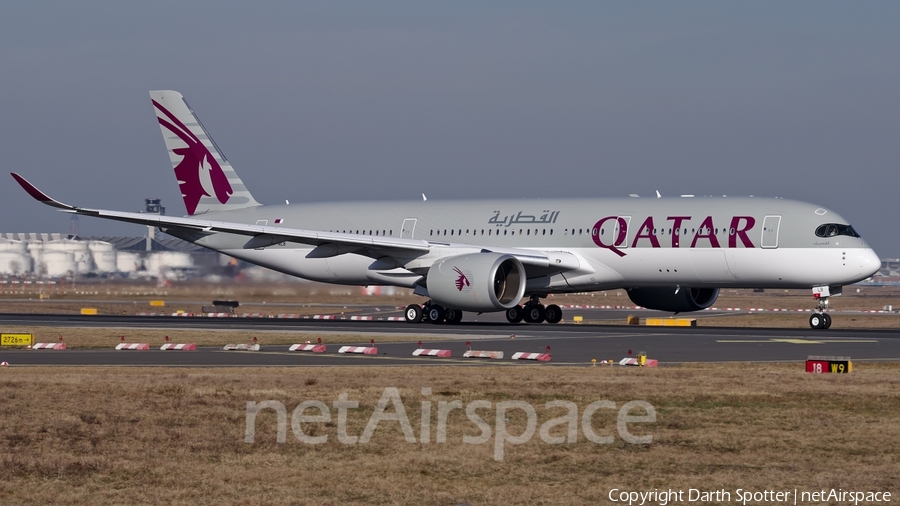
pixel 569 344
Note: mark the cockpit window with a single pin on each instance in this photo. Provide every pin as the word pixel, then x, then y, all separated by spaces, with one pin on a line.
pixel 833 229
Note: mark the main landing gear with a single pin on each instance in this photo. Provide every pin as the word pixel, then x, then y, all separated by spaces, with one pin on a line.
pixel 820 319
pixel 431 312
pixel 534 312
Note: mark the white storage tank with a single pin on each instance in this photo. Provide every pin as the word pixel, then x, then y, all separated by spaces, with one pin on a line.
pixel 106 262
pixel 14 263
pixel 36 250
pixel 81 254
pixel 96 246
pixel 128 261
pixel 163 260
pixel 58 263
pixel 104 256
pixel 13 245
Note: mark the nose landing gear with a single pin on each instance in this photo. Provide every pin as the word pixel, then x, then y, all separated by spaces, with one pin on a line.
pixel 820 319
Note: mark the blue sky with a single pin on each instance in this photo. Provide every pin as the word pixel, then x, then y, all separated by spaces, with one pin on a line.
pixel 345 101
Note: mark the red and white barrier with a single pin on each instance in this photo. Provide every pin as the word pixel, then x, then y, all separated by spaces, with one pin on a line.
pixel 283 315
pixel 324 317
pixel 395 319
pixel 540 357
pixel 422 352
pixel 49 346
pixel 220 315
pixel 146 314
pixel 650 362
pixel 133 346
pixel 254 315
pixel 241 347
pixel 182 314
pixel 483 354
pixel 315 348
pixel 180 346
pixel 364 350
pixel 362 317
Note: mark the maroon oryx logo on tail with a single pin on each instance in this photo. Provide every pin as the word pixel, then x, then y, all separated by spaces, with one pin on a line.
pixel 199 174
pixel 462 280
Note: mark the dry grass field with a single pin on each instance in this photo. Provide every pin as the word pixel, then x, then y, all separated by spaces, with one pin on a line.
pixel 108 435
pixel 105 436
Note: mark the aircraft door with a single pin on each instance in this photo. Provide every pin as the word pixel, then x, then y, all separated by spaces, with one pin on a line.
pixel 408 228
pixel 771 224
pixel 610 232
pixel 626 220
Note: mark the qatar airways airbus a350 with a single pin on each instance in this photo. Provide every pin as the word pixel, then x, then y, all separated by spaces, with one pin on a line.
pixel 670 254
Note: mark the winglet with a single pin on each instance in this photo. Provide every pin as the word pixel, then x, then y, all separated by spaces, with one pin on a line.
pixel 38 194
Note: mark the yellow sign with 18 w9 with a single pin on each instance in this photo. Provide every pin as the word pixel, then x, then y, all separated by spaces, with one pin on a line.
pixel 16 339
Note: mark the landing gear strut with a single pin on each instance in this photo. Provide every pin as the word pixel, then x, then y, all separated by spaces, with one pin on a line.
pixel 820 319
pixel 534 312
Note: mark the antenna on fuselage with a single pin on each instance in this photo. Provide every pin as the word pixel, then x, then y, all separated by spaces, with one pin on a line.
pixel 424 198
pixel 658 195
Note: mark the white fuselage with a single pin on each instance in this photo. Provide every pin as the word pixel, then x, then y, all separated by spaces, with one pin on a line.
pixel 594 244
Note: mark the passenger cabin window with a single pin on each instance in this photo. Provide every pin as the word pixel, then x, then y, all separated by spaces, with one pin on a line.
pixel 833 229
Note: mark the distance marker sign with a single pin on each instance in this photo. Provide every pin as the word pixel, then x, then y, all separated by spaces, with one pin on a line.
pixel 16 339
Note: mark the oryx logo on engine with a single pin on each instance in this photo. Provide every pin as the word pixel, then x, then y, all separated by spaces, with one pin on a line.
pixel 462 280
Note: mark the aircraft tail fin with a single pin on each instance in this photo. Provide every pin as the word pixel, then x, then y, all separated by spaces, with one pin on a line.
pixel 206 179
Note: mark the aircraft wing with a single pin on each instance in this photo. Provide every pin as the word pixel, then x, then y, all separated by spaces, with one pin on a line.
pixel 261 236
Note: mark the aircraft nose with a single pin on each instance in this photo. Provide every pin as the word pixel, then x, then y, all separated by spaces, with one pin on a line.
pixel 869 263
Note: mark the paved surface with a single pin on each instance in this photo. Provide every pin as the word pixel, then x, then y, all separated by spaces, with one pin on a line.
pixel 569 344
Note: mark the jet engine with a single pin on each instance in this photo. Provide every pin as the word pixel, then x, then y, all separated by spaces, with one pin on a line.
pixel 477 282
pixel 673 299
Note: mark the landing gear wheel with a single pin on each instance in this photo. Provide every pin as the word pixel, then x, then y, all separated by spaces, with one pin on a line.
pixel 827 318
pixel 817 321
pixel 414 313
pixel 552 313
pixel 534 314
pixel 436 314
pixel 515 314
pixel 453 316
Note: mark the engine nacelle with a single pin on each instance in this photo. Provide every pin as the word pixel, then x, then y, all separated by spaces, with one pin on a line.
pixel 665 299
pixel 477 282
